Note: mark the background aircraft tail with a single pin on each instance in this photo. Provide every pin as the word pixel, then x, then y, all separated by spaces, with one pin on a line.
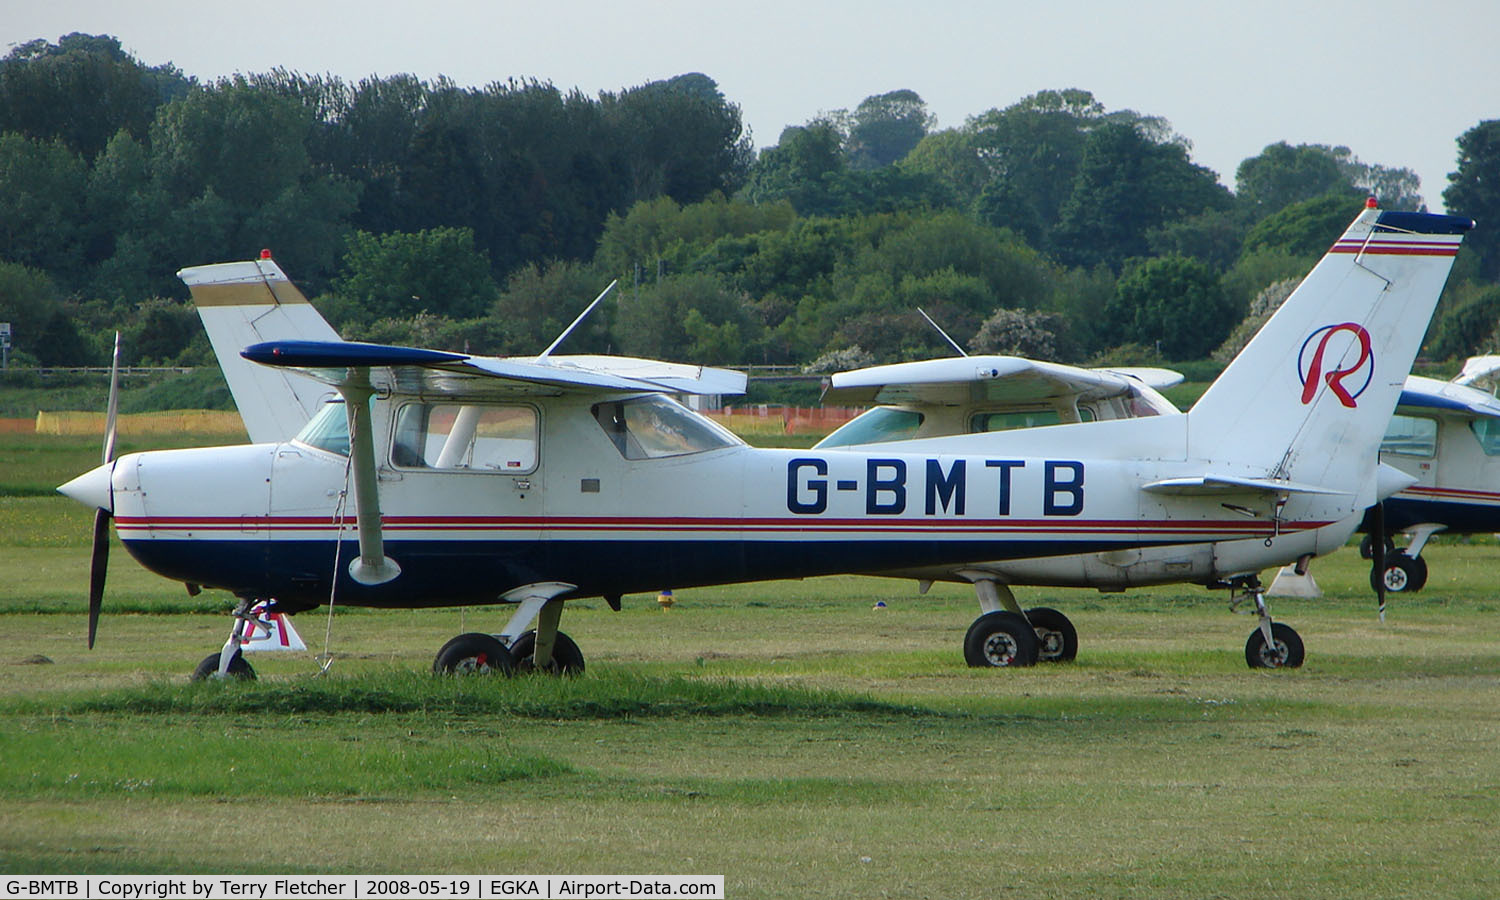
pixel 244 303
pixel 1321 379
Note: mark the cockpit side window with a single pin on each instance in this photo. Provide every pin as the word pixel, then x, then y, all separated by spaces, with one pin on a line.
pixel 465 437
pixel 875 426
pixel 983 422
pixel 655 426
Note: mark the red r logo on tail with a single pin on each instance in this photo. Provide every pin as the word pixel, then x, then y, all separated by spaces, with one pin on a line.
pixel 1312 374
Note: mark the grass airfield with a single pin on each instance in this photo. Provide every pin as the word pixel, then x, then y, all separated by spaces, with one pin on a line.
pixel 786 735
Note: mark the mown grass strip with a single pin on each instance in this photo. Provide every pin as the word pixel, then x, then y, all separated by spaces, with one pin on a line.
pixel 612 696
pixel 57 760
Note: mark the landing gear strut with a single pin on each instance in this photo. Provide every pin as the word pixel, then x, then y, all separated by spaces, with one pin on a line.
pixel 1272 645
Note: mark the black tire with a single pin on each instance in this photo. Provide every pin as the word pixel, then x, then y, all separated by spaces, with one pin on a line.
pixel 1285 654
pixel 1367 547
pixel 567 659
pixel 1056 638
pixel 238 668
pixel 473 654
pixel 1403 574
pixel 1000 640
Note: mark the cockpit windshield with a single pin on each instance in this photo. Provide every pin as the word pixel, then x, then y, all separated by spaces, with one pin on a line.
pixel 327 430
pixel 655 426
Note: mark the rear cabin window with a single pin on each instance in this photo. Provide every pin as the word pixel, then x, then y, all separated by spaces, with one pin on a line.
pixel 1410 436
pixel 465 437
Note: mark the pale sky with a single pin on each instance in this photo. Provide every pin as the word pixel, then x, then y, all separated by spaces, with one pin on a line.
pixel 1397 81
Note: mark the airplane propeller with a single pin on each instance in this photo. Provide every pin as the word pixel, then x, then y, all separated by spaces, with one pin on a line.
pixel 1377 553
pixel 99 559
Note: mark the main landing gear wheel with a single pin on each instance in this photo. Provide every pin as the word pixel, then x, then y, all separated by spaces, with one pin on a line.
pixel 238 668
pixel 1403 574
pixel 999 640
pixel 1056 638
pixel 473 654
pixel 1284 653
pixel 567 659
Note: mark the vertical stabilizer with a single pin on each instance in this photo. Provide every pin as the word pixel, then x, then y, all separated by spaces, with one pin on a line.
pixel 1320 380
pixel 244 303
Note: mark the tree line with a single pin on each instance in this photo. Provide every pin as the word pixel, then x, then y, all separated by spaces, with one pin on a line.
pixel 483 219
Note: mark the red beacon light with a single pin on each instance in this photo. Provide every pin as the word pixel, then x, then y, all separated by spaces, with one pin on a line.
pixel 1370 203
pixel 265 254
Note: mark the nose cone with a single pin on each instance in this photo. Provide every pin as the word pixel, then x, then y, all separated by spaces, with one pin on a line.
pixel 1389 480
pixel 92 488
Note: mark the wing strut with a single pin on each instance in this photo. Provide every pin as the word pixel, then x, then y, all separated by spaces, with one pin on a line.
pixel 372 566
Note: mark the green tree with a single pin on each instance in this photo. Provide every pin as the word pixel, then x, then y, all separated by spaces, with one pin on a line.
pixel 400 274
pixel 689 317
pixel 81 91
pixel 679 137
pixel 1474 191
pixel 1306 228
pixel 1282 175
pixel 1172 303
pixel 1466 324
pixel 42 187
pixel 884 128
pixel 1127 186
pixel 800 169
pixel 538 302
pixel 28 301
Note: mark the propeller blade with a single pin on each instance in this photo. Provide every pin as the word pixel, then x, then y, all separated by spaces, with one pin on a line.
pixel 112 410
pixel 99 558
pixel 1377 553
pixel 98 566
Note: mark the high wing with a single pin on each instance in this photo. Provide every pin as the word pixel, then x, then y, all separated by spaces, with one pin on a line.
pixel 987 379
pixel 1479 372
pixel 412 370
pixel 1456 396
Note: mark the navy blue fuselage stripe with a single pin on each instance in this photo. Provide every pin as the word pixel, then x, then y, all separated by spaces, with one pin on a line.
pixel 1459 517
pixel 457 573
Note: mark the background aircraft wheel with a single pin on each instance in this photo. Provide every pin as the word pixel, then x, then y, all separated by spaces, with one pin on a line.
pixel 1286 652
pixel 1403 574
pixel 473 654
pixel 1000 639
pixel 567 659
pixel 238 668
pixel 1056 639
pixel 1367 547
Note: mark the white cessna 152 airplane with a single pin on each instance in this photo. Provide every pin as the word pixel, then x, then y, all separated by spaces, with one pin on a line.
pixel 481 480
pixel 1446 436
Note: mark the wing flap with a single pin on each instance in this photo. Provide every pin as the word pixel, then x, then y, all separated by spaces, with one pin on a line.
pixel 1211 485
